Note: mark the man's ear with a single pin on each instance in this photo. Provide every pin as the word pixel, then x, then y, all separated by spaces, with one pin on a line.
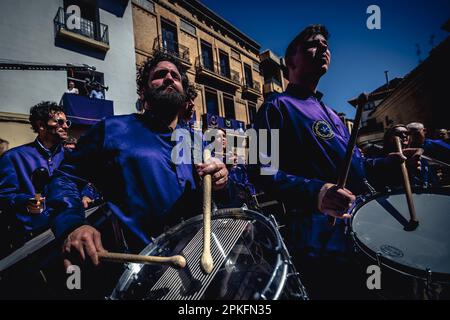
pixel 41 125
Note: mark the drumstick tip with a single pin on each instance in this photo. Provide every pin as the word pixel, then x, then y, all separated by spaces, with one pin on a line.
pixel 207 264
pixel 179 261
pixel 412 225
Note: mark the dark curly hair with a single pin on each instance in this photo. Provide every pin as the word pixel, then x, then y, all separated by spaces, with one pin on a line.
pixel 191 92
pixel 303 36
pixel 144 70
pixel 43 111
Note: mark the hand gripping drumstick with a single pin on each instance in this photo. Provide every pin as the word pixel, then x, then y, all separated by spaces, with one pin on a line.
pixel 174 261
pixel 342 180
pixel 39 178
pixel 206 261
pixel 413 222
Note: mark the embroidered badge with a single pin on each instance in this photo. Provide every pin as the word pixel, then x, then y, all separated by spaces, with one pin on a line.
pixel 322 129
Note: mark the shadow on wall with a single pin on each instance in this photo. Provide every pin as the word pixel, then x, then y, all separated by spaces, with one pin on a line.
pixel 79 48
pixel 116 7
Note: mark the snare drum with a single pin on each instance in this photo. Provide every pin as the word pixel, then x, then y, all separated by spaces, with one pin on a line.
pixel 414 264
pixel 250 262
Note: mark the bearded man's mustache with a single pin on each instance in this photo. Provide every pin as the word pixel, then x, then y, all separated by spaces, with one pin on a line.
pixel 164 104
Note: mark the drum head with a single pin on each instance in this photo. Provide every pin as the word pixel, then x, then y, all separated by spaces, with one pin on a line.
pixel 378 228
pixel 246 251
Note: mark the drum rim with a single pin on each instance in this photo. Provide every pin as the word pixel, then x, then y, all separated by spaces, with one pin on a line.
pixel 385 261
pixel 280 249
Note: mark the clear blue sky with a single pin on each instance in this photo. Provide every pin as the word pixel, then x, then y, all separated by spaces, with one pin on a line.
pixel 359 55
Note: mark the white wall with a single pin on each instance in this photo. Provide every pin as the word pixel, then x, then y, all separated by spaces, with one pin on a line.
pixel 27 34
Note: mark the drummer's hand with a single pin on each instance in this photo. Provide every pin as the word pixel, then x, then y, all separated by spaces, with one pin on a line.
pixel 335 201
pixel 217 170
pixel 410 155
pixel 413 159
pixel 83 240
pixel 35 206
pixel 86 201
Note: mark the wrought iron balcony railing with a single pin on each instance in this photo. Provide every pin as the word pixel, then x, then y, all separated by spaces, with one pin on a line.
pixel 254 85
pixel 87 28
pixel 214 67
pixel 172 48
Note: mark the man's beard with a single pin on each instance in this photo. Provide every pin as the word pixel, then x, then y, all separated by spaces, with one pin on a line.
pixel 164 105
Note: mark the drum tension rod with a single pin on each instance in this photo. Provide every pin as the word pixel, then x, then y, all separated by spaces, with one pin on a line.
pixel 379 255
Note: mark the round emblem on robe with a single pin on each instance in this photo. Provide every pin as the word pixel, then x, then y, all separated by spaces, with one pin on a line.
pixel 213 121
pixel 322 129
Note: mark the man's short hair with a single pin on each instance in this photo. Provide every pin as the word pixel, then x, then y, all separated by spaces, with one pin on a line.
pixel 417 126
pixel 191 92
pixel 43 111
pixel 143 73
pixel 4 141
pixel 302 37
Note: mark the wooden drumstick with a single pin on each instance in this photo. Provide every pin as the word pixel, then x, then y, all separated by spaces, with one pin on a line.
pixel 173 261
pixel 413 222
pixel 206 261
pixel 342 180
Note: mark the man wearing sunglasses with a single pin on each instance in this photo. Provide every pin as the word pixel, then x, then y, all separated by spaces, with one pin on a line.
pixel 26 217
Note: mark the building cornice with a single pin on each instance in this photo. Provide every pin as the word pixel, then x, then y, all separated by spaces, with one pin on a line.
pixel 214 34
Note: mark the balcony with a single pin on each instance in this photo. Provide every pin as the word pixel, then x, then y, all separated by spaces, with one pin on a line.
pixel 253 88
pixel 173 49
pixel 90 33
pixel 86 111
pixel 229 77
pixel 272 85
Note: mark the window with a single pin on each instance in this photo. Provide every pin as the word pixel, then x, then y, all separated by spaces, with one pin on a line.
pixel 186 26
pixel 146 4
pixel 256 67
pixel 207 56
pixel 251 112
pixel 169 37
pixel 212 105
pixel 228 103
pixel 224 64
pixel 369 106
pixel 248 75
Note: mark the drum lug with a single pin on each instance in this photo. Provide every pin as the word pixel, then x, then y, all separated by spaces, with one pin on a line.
pixel 274 222
pixel 262 296
pixel 279 249
pixel 371 189
pixel 353 236
pixel 379 255
pixel 293 274
pixel 429 275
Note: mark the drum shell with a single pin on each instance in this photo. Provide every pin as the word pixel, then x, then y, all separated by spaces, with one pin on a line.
pixel 235 276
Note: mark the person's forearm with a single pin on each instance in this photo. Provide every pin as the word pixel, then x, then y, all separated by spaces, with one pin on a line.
pixel 296 192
